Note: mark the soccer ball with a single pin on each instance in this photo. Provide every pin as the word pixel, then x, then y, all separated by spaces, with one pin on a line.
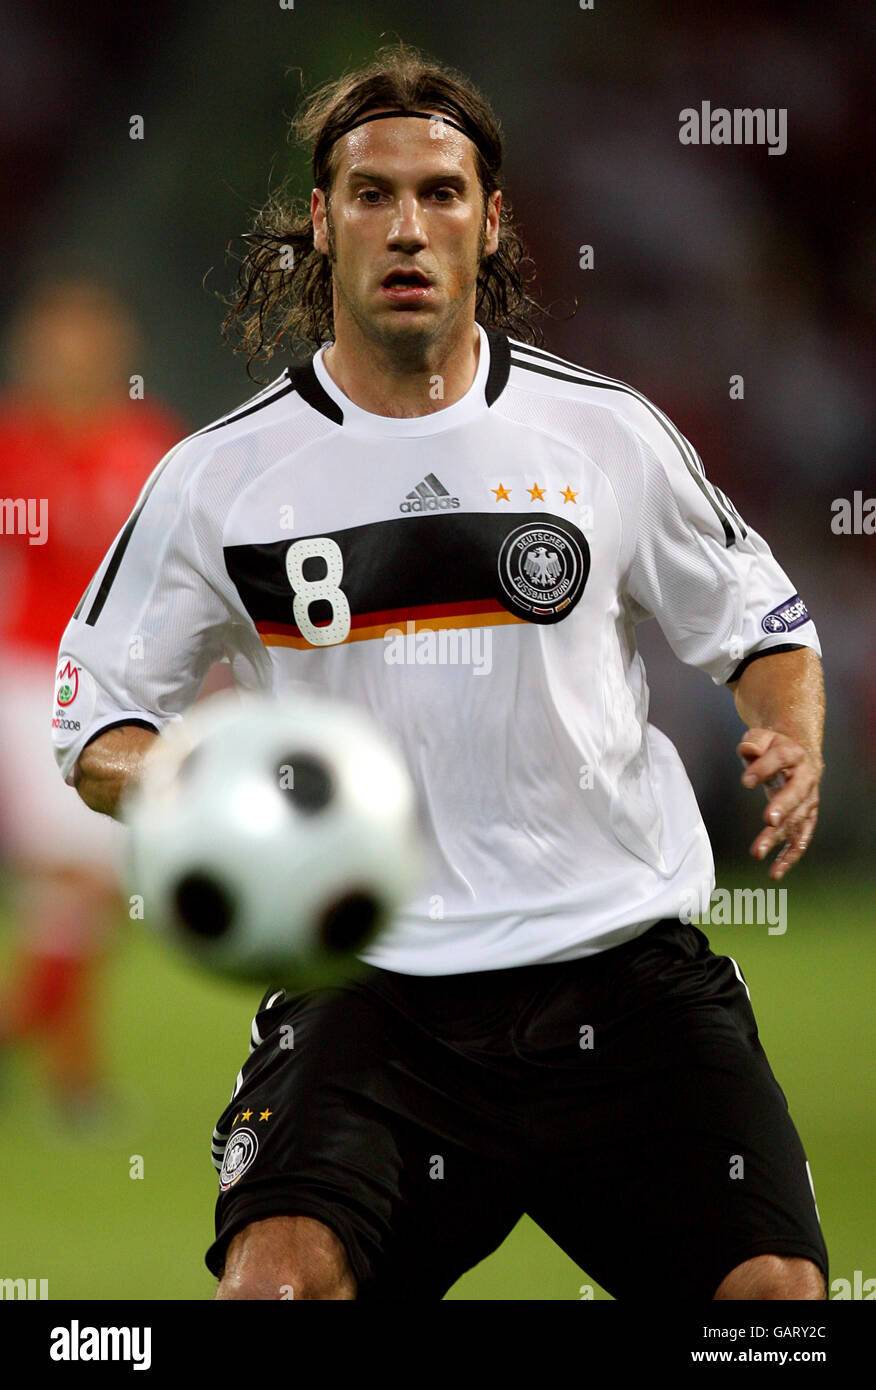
pixel 273 839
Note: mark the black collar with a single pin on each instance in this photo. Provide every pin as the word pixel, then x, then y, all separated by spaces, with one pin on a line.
pixel 307 383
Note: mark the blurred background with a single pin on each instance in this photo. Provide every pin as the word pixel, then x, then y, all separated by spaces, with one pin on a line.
pixel 710 262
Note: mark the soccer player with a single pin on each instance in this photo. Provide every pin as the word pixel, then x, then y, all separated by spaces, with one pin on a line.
pixel 75 451
pixel 539 1030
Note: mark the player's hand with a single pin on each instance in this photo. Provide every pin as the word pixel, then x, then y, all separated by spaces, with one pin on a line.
pixel 790 775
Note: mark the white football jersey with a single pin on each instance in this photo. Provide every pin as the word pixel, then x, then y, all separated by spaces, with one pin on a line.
pixel 473 578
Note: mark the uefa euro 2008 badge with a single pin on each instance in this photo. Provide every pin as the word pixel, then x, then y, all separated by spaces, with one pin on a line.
pixel 74 699
pixel 240 1152
pixel 68 684
pixel 543 567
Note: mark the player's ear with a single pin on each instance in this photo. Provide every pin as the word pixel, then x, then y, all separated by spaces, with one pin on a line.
pixel 494 208
pixel 318 218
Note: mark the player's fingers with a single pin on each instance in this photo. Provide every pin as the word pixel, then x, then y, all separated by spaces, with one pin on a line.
pixel 787 806
pixel 786 829
pixel 782 755
pixel 794 817
pixel 755 742
pixel 787 787
pixel 795 848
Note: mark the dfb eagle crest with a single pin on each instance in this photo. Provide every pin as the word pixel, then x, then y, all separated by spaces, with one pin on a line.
pixel 542 566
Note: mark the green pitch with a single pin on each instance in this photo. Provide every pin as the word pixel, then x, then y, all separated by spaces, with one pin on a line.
pixel 73 1213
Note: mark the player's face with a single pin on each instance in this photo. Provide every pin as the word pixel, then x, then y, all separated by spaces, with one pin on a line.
pixel 406 229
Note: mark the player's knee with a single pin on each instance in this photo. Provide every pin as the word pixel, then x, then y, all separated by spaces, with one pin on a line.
pixel 773 1277
pixel 286 1257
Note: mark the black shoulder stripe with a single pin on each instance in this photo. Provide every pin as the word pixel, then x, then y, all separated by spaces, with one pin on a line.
pixel 277 389
pixel 588 376
pixel 259 403
pixel 112 568
pixel 550 357
pixel 604 384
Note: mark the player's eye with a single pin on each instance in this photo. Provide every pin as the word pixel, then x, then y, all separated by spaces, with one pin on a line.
pixel 443 195
pixel 370 195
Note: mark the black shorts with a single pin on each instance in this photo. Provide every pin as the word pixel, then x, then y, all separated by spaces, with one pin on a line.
pixel 622 1100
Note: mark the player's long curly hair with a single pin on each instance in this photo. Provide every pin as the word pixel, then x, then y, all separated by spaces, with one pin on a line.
pixel 284 286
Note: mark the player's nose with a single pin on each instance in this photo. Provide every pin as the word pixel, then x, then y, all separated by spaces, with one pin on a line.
pixel 406 232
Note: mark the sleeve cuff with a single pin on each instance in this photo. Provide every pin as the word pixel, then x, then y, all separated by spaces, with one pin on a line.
pixel 69 757
pixel 764 651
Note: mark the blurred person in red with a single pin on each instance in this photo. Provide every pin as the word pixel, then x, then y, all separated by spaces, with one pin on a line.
pixel 77 443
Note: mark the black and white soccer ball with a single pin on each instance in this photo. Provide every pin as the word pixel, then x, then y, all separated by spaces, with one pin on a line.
pixel 273 839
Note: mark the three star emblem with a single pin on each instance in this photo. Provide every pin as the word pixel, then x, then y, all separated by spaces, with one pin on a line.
pixel 536 493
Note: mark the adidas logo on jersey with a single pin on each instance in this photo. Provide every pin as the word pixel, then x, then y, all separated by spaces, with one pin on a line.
pixel 429 496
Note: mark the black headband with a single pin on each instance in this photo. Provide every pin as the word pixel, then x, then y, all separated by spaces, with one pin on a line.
pixel 473 134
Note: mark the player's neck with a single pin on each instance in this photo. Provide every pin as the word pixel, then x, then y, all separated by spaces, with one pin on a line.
pixel 377 380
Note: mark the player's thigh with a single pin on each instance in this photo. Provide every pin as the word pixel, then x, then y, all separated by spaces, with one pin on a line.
pixel 349 1115
pixel 676 1156
pixel 286 1258
pixel 785 1277
pixel 700 1183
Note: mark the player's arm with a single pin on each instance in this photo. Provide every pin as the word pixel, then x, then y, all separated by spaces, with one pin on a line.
pixel 144 635
pixel 724 603
pixel 110 764
pixel 780 699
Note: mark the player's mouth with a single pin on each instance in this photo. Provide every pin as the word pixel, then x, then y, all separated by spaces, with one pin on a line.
pixel 406 287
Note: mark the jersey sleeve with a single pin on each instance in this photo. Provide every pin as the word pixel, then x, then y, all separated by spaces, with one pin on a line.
pixel 148 627
pixel 713 584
